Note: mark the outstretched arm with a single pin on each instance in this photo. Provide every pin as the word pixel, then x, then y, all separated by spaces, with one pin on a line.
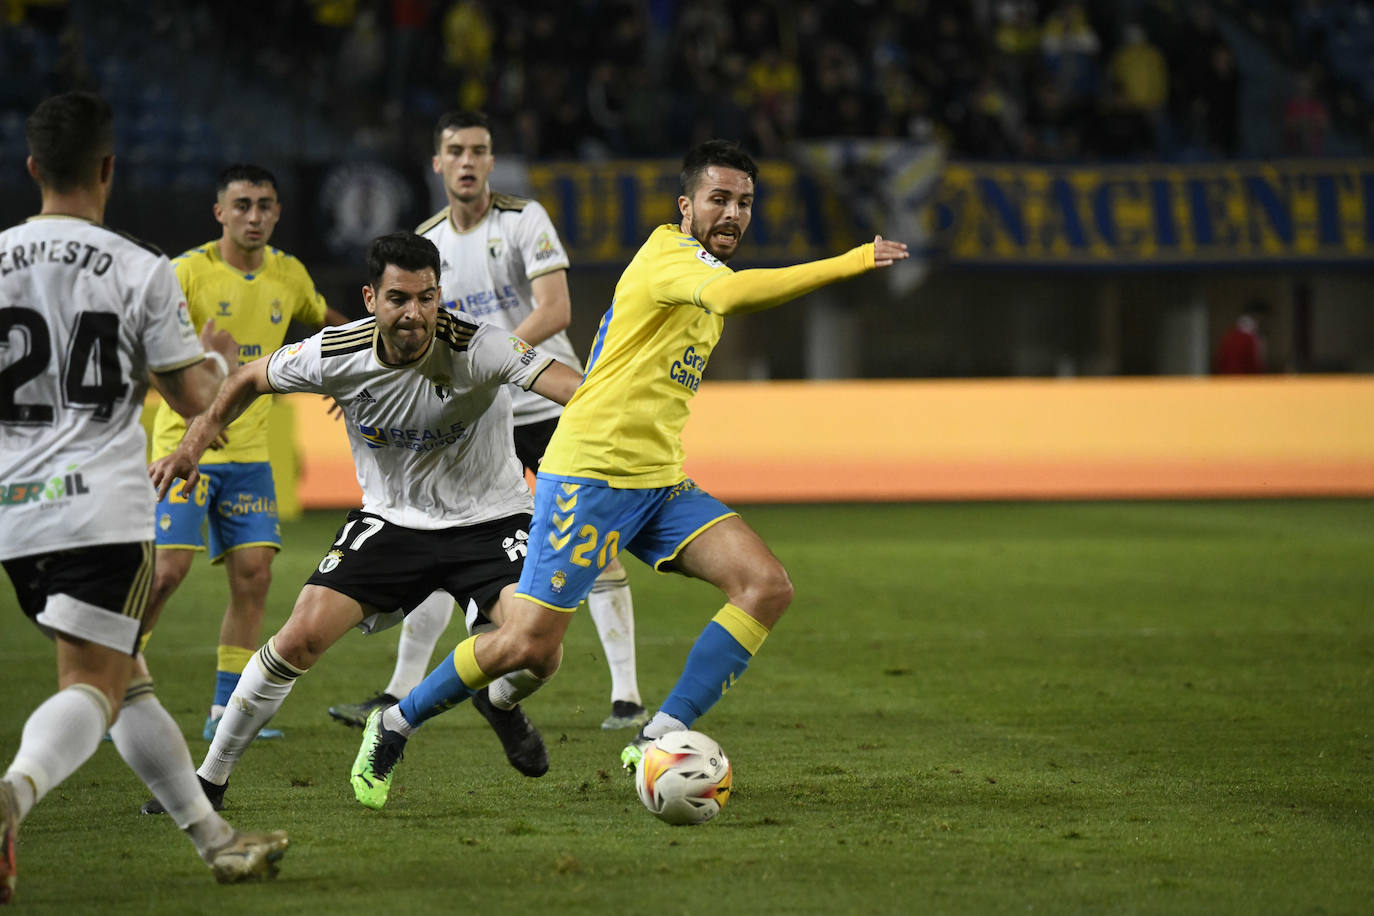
pixel 190 390
pixel 763 288
pixel 238 391
pixel 557 382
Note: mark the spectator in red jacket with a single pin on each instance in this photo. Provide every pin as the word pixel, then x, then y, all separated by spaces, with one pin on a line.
pixel 1242 348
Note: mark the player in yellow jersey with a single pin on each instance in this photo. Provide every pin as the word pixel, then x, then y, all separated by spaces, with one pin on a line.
pixel 612 476
pixel 254 291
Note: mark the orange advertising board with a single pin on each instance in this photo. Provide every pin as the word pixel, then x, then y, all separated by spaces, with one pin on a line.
pixel 1278 436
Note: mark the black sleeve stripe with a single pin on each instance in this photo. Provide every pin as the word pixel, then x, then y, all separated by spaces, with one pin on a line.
pixel 343 349
pixel 455 329
pixel 456 338
pixel 366 330
pixel 433 221
pixel 275 389
pixel 336 342
pixel 349 330
pixel 529 386
pixel 449 318
pixel 502 201
pixel 146 246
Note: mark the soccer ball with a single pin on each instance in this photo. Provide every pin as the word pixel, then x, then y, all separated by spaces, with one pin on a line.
pixel 684 778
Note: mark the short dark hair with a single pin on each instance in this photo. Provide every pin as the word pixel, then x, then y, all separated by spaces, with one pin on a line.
pixel 714 152
pixel 457 120
pixel 243 171
pixel 68 136
pixel 403 249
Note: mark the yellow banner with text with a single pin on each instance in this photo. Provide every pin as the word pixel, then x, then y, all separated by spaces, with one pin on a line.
pixel 1156 215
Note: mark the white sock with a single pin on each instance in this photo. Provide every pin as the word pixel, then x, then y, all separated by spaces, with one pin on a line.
pixel 209 833
pixel 262 688
pixel 510 689
pixel 613 612
pixel 392 720
pixel 151 744
pixel 419 635
pixel 60 735
pixel 661 724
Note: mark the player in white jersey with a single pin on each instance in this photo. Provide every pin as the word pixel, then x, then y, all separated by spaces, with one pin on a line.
pixel 503 263
pixel 88 317
pixel 424 395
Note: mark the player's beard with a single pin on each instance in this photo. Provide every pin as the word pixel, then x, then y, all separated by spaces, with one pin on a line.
pixel 411 344
pixel 703 234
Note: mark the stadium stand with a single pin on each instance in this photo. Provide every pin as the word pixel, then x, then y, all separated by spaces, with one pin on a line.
pixel 1053 80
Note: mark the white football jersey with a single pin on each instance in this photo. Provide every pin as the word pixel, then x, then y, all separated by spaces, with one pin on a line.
pixel 431 440
pixel 85 314
pixel 487 273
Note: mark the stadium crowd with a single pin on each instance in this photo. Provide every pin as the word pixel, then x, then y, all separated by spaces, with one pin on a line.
pixel 1050 80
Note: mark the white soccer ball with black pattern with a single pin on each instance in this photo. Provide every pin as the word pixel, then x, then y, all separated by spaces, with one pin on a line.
pixel 684 778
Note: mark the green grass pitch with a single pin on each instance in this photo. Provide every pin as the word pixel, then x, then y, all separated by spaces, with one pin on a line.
pixel 987 708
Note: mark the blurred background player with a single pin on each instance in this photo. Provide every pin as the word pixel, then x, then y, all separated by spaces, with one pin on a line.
pixel 612 477
pixel 254 291
pixel 97 315
pixel 453 514
pixel 503 263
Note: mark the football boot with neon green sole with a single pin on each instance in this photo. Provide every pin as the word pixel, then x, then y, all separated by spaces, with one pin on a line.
pixel 376 762
pixel 633 753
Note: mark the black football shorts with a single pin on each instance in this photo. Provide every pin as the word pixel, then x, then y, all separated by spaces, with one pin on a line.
pixel 386 567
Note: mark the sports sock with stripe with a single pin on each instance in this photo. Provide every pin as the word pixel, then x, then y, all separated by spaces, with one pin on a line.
pixel 455 679
pixel 718 658
pixel 265 683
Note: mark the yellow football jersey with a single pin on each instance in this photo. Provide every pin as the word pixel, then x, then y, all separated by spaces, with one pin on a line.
pixel 624 425
pixel 256 308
